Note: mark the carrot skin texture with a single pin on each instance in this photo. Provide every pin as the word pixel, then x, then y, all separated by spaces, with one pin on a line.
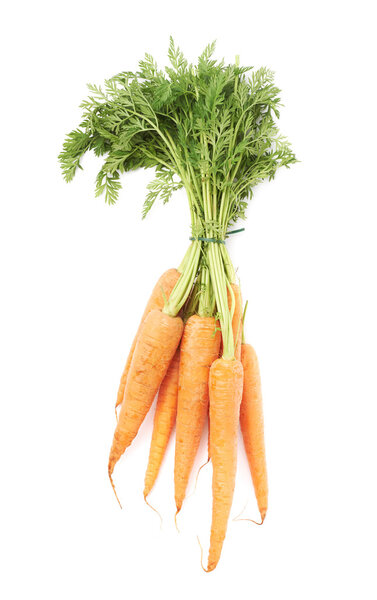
pixel 156 345
pixel 164 419
pixel 166 283
pixel 237 333
pixel 199 348
pixel 225 394
pixel 252 426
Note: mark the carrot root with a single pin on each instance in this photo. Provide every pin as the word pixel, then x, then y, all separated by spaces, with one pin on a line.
pixel 154 509
pixel 199 348
pixel 251 521
pixel 163 423
pixel 237 518
pixel 155 348
pixel 163 287
pixel 113 486
pixel 200 468
pixel 175 519
pixel 225 386
pixel 252 427
pixel 201 555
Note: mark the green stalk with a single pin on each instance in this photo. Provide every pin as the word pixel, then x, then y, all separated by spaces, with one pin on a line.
pixel 184 284
pixel 243 322
pixel 218 139
pixel 189 266
pixel 206 304
pixel 216 263
pixel 183 264
pixel 229 269
pixel 218 279
pixel 192 303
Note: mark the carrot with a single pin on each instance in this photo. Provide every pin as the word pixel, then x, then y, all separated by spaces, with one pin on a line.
pixel 251 420
pixel 237 318
pixel 137 122
pixel 164 420
pixel 225 393
pixel 157 342
pixel 199 348
pixel 237 332
pixel 164 286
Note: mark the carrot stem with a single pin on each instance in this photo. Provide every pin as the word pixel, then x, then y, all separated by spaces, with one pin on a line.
pixel 184 285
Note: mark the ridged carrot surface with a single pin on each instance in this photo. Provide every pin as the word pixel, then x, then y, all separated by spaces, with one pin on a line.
pixel 252 427
pixel 166 283
pixel 155 347
pixel 164 419
pixel 237 333
pixel 237 319
pixel 199 348
pixel 225 394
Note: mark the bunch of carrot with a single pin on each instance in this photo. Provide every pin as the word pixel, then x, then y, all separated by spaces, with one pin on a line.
pixel 210 129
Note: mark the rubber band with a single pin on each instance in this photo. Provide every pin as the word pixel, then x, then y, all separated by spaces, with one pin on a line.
pixel 203 239
pixel 235 231
pixel 215 240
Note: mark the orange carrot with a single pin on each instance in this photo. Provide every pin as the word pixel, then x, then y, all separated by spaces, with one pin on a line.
pixel 164 419
pixel 237 318
pixel 199 348
pixel 157 342
pixel 163 287
pixel 237 332
pixel 251 420
pixel 225 393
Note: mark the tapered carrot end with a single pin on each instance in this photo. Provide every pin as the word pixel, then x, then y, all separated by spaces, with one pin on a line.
pixel 201 555
pixel 110 471
pixel 251 520
pixel 178 504
pixel 152 507
pixel 213 558
pixel 262 514
pixel 175 518
pixel 200 468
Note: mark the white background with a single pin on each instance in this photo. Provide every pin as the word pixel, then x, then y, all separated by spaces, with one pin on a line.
pixel 76 273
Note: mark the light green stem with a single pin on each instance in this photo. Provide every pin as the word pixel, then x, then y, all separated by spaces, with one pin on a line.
pixel 229 269
pixel 184 284
pixel 218 279
pixel 183 264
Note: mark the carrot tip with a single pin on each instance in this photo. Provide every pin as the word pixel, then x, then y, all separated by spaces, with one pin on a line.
pixel 262 514
pixel 113 486
pixel 237 518
pixel 200 468
pixel 153 508
pixel 251 521
pixel 201 556
pixel 175 519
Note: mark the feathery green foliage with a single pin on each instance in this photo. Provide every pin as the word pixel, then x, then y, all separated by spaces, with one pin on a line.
pixel 210 128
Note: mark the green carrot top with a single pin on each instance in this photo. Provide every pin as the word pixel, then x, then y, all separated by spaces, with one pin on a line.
pixel 210 128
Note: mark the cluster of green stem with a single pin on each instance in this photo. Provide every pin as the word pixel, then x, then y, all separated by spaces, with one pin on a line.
pixel 207 271
pixel 208 127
